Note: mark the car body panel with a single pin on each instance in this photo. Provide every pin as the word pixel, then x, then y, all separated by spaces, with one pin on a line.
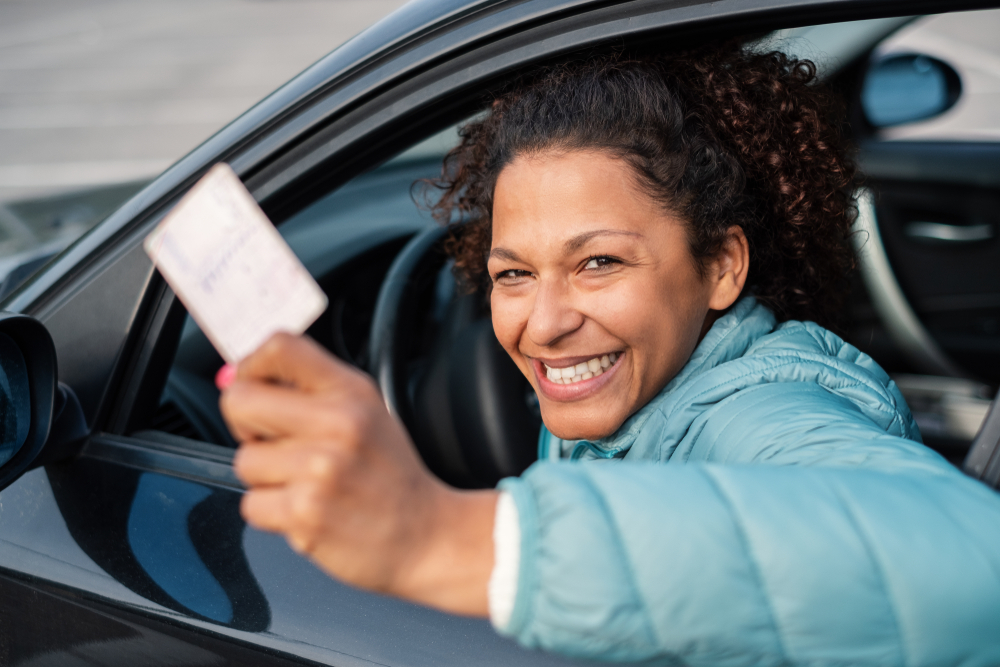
pixel 110 531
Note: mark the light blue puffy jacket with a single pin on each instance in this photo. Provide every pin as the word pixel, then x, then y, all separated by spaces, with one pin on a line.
pixel 771 506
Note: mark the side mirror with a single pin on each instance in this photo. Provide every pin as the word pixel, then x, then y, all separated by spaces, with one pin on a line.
pixel 27 393
pixel 907 88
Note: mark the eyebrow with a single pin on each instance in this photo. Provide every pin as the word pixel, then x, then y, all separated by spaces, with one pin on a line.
pixel 572 245
pixel 503 253
pixel 581 240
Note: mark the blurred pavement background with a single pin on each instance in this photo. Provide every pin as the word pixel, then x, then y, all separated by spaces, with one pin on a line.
pixel 97 92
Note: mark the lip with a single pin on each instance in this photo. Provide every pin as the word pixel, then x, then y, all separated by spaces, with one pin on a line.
pixel 577 390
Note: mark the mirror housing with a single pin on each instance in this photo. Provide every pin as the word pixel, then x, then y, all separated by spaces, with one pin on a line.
pixel 907 88
pixel 28 381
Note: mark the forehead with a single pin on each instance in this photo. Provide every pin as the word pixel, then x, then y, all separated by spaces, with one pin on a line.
pixel 553 197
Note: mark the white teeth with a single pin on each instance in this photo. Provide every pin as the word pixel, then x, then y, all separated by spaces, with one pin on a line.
pixel 582 371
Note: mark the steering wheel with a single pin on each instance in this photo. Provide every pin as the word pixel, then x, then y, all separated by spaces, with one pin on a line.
pixel 469 410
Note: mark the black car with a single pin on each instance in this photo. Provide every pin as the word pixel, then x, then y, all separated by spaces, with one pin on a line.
pixel 121 541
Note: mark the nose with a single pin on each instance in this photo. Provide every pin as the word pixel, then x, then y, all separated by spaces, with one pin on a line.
pixel 553 314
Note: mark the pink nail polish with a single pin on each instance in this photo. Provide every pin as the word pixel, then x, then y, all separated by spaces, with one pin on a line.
pixel 225 376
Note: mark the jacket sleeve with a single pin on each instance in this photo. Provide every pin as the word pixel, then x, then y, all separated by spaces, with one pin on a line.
pixel 869 551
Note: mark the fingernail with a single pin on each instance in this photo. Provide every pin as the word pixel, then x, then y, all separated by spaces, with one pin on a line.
pixel 225 376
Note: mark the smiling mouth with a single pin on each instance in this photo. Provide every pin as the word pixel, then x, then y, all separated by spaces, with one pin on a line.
pixel 583 371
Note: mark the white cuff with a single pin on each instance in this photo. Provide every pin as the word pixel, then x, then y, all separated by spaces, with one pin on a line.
pixel 506 561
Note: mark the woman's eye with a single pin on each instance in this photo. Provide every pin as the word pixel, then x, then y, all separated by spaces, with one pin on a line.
pixel 595 263
pixel 510 276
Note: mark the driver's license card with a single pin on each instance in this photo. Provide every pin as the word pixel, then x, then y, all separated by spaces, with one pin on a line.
pixel 231 268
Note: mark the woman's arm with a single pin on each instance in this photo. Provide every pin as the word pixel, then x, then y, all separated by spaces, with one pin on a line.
pixel 329 468
pixel 757 565
pixel 797 531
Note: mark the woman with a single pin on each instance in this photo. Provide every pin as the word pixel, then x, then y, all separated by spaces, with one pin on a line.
pixel 662 238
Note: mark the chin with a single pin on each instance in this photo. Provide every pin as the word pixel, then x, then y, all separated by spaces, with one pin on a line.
pixel 569 427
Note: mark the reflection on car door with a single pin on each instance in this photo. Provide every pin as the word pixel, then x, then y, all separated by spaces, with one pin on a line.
pixel 138 545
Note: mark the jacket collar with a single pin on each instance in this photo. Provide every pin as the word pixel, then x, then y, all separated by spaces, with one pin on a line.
pixel 729 338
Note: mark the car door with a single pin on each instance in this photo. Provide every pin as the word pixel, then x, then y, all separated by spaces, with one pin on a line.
pixel 133 550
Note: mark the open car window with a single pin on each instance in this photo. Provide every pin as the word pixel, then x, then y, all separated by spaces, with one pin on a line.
pixel 347 240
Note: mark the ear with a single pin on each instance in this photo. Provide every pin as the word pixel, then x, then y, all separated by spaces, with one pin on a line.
pixel 728 271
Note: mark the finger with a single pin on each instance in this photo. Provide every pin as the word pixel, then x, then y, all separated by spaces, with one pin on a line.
pixel 258 411
pixel 284 463
pixel 294 511
pixel 225 376
pixel 267 509
pixel 254 411
pixel 297 361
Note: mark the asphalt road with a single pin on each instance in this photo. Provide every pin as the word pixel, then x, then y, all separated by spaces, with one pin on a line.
pixel 107 91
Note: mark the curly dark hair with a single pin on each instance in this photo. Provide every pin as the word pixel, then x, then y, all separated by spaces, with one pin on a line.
pixel 722 135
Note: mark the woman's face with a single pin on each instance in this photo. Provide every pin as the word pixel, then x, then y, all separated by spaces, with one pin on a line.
pixel 596 296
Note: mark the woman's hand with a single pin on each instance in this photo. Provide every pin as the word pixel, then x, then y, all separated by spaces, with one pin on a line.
pixel 328 467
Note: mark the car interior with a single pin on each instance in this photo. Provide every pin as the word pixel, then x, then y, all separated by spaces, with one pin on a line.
pixel 925 302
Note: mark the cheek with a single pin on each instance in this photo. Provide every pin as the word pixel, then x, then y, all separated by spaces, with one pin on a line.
pixel 657 317
pixel 508 322
pixel 638 311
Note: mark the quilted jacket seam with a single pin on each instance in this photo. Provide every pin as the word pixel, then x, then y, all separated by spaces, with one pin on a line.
pixel 886 590
pixel 775 336
pixel 856 383
pixel 731 420
pixel 623 553
pixel 751 559
pixel 983 550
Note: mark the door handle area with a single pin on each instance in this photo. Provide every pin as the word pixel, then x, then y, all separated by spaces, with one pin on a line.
pixel 941 232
